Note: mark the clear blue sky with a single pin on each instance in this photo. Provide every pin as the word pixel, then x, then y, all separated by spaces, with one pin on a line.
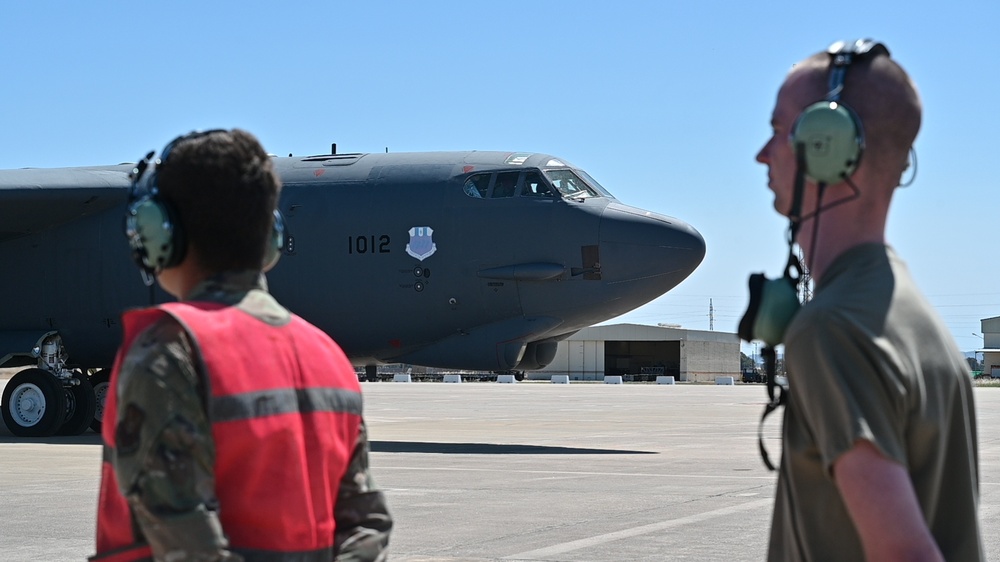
pixel 666 103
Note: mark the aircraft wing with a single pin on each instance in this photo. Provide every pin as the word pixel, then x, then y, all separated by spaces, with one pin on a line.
pixel 34 200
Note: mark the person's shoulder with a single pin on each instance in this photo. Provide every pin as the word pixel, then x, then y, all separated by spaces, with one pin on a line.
pixel 821 327
pixel 857 282
pixel 262 305
pixel 162 350
pixel 319 337
pixel 165 329
pixel 818 319
pixel 306 326
pixel 862 264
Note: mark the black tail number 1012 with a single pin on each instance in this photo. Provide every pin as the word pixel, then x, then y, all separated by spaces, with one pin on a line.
pixel 371 244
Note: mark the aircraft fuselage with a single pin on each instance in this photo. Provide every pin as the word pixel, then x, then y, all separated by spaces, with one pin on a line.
pixel 471 260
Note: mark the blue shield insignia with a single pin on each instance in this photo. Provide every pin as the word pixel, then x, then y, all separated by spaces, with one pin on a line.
pixel 421 244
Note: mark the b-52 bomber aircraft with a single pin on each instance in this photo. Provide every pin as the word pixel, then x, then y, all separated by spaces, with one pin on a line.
pixel 465 260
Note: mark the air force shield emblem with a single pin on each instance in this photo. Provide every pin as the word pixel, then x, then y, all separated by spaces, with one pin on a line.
pixel 421 245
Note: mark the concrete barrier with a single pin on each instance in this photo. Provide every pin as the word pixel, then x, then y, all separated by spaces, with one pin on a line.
pixel 506 379
pixel 665 379
pixel 612 379
pixel 453 378
pixel 401 377
pixel 560 379
pixel 727 381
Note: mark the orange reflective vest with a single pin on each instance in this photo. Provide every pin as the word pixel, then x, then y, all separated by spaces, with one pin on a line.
pixel 285 410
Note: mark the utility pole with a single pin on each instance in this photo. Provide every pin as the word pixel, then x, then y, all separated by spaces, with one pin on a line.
pixel 711 316
pixel 805 283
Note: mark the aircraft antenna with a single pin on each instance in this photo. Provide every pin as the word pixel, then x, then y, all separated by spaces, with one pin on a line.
pixel 711 316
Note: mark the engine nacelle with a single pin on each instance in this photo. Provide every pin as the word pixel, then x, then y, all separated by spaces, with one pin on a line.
pixel 537 355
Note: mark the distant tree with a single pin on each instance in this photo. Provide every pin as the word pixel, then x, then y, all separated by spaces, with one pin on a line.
pixel 746 363
pixel 974 364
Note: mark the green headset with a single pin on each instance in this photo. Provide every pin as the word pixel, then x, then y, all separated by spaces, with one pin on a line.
pixel 828 139
pixel 154 235
pixel 829 131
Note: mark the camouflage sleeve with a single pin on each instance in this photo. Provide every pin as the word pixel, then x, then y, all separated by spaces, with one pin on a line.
pixel 362 516
pixel 165 454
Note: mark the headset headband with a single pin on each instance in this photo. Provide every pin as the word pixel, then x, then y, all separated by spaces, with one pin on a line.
pixel 151 226
pixel 842 54
pixel 143 165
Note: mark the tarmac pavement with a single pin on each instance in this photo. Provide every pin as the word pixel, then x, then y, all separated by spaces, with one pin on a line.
pixel 499 472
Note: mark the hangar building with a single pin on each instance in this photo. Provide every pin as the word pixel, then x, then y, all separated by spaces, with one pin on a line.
pixel 635 349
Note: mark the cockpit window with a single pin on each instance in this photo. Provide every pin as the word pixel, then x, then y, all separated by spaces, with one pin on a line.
pixel 478 185
pixel 535 186
pixel 545 184
pixel 593 183
pixel 505 184
pixel 570 184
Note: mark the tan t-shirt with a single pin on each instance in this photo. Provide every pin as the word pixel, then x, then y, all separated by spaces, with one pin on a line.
pixel 869 359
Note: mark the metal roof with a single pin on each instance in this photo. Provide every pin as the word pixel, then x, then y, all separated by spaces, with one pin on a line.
pixel 640 332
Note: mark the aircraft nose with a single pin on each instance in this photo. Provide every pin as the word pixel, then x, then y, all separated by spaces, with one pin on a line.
pixel 647 253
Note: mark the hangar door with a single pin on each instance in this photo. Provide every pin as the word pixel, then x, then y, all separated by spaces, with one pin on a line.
pixel 630 357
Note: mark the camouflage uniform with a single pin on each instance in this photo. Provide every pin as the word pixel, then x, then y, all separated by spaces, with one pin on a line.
pixel 165 454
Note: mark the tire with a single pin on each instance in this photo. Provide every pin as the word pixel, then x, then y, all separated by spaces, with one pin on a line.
pixel 80 407
pixel 34 404
pixel 101 382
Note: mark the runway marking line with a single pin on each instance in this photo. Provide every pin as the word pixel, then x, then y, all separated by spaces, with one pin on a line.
pixel 635 531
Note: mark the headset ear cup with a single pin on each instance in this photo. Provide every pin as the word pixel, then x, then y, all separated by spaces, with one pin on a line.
pixel 275 242
pixel 154 235
pixel 773 304
pixel 779 302
pixel 832 136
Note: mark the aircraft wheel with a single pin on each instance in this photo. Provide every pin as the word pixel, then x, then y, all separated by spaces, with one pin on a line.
pixel 80 406
pixel 101 382
pixel 34 404
pixel 519 376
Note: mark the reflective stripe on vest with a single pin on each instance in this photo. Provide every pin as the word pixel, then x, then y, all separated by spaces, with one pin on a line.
pixel 284 401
